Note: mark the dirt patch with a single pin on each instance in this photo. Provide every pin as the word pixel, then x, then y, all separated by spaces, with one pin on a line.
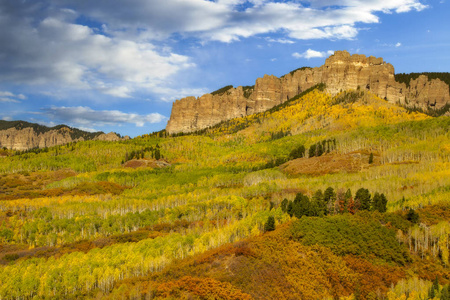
pixel 146 163
pixel 329 163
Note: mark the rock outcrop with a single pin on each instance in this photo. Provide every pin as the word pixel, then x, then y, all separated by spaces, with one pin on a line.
pixel 27 138
pixel 20 135
pixel 341 71
pixel 111 137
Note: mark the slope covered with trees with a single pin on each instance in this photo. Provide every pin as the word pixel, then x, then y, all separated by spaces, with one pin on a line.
pixel 223 218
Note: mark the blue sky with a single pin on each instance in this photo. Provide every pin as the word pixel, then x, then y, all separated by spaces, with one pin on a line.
pixel 118 65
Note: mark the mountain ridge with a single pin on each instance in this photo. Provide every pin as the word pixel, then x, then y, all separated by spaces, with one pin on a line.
pixel 22 135
pixel 341 71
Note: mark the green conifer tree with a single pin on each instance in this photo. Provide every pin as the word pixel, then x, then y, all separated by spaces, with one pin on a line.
pixel 363 198
pixel 412 216
pixel 270 224
pixel 284 205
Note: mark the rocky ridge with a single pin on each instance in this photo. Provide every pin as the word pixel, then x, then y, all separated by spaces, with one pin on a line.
pixel 24 136
pixel 341 71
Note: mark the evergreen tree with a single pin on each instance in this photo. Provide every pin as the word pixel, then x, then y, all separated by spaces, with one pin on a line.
pixel 284 205
pixel 348 194
pixel 383 205
pixel 436 283
pixel 301 205
pixel 376 201
pixel 314 210
pixel 362 197
pixel 270 224
pixel 297 152
pixel 329 194
pixel 445 295
pixel 319 203
pixel 412 216
pixel 329 198
pixel 312 151
pixel 290 208
pixel 319 149
pixel 431 292
pixel 371 158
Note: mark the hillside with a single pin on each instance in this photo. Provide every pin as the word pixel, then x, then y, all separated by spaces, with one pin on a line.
pixel 21 135
pixel 258 207
pixel 341 71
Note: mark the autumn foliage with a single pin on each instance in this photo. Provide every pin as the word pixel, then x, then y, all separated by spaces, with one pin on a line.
pixel 215 222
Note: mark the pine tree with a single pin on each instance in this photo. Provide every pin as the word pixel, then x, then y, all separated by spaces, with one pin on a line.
pixel 319 149
pixel 371 158
pixel 431 292
pixel 329 194
pixel 362 197
pixel 290 208
pixel 445 295
pixel 319 203
pixel 436 283
pixel 312 150
pixel 412 216
pixel 284 205
pixel 301 205
pixel 270 224
pixel 383 205
pixel 376 202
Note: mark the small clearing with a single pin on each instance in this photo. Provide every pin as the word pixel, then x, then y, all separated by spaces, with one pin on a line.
pixel 146 163
pixel 329 163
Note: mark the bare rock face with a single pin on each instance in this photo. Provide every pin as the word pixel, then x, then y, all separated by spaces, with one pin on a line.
pixel 109 137
pixel 27 138
pixel 193 114
pixel 20 135
pixel 341 71
pixel 425 93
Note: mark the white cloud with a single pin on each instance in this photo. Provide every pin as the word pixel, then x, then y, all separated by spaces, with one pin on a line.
pixel 123 51
pixel 83 116
pixel 398 44
pixel 281 41
pixel 7 118
pixel 227 21
pixel 312 54
pixel 88 129
pixel 117 91
pixel 171 94
pixel 46 48
pixel 10 97
pixel 3 99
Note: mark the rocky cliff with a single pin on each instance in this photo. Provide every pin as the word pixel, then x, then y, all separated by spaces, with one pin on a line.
pixel 341 71
pixel 20 135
